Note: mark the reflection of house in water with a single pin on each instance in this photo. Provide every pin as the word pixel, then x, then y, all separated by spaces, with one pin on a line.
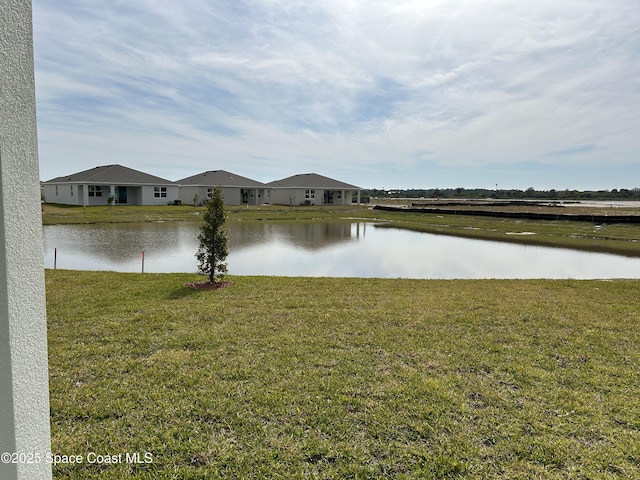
pixel 119 243
pixel 307 235
pixel 112 245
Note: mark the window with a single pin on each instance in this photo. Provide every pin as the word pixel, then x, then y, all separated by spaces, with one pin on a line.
pixel 71 186
pixel 56 190
pixel 95 190
pixel 159 192
pixel 209 191
pixel 310 194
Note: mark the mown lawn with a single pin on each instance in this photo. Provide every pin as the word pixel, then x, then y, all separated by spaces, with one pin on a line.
pixel 280 377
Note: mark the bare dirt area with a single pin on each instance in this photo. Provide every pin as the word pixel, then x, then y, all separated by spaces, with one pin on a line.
pixel 529 206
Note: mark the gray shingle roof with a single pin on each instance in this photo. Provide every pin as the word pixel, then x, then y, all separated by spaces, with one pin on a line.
pixel 214 178
pixel 311 180
pixel 112 174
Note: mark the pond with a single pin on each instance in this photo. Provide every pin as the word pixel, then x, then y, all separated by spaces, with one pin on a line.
pixel 339 249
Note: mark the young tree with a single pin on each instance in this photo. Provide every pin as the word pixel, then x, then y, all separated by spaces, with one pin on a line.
pixel 213 249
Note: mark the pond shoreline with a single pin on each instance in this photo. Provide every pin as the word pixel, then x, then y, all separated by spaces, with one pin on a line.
pixel 619 239
pixel 324 248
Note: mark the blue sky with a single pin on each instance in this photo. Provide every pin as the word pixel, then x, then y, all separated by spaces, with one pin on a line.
pixel 377 93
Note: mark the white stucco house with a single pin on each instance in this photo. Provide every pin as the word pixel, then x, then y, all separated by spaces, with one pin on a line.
pixel 312 189
pixel 236 189
pixel 94 187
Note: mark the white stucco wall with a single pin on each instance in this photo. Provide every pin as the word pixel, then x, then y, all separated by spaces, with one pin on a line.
pixel 286 196
pixel 62 194
pixel 78 194
pixel 186 194
pixel 295 196
pixel 231 195
pixel 149 198
pixel 24 395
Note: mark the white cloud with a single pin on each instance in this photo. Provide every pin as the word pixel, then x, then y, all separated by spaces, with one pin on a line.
pixel 337 85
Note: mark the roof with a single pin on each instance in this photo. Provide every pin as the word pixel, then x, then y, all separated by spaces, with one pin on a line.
pixel 112 174
pixel 219 178
pixel 311 180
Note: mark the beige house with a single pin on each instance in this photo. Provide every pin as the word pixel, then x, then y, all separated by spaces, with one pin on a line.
pixel 132 187
pixel 94 187
pixel 236 189
pixel 312 189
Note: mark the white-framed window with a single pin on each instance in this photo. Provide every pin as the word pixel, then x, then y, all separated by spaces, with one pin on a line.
pixel 209 192
pixel 95 190
pixel 56 190
pixel 71 186
pixel 310 194
pixel 159 192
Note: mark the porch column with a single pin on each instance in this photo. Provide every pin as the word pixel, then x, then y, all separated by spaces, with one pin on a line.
pixel 24 396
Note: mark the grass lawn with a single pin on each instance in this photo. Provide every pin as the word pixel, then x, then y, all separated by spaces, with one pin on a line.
pixel 280 377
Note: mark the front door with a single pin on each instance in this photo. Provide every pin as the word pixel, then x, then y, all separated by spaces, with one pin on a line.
pixel 121 194
pixel 328 196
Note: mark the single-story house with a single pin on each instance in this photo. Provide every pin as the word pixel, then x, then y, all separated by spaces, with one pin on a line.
pixel 126 185
pixel 312 189
pixel 236 189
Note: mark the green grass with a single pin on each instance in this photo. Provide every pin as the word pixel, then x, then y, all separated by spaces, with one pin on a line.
pixel 621 239
pixel 280 377
pixel 53 214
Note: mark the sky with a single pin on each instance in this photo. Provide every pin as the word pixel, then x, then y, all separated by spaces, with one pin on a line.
pixel 386 94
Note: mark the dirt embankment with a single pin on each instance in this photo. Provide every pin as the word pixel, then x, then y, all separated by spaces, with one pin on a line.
pixel 523 210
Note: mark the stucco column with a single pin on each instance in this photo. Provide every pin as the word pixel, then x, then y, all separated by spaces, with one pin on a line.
pixel 24 386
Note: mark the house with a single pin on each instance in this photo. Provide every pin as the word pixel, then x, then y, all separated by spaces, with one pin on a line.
pixel 236 189
pixel 126 185
pixel 312 189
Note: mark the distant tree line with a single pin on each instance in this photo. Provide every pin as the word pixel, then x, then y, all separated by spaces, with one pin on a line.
pixel 528 194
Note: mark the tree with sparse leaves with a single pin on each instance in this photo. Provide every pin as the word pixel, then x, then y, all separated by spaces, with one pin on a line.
pixel 213 249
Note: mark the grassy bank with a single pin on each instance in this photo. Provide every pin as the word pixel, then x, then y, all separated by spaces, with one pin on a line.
pixel 344 378
pixel 621 239
pixel 64 214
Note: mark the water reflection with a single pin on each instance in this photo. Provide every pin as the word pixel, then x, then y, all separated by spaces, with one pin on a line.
pixel 119 246
pixel 341 249
pixel 305 235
